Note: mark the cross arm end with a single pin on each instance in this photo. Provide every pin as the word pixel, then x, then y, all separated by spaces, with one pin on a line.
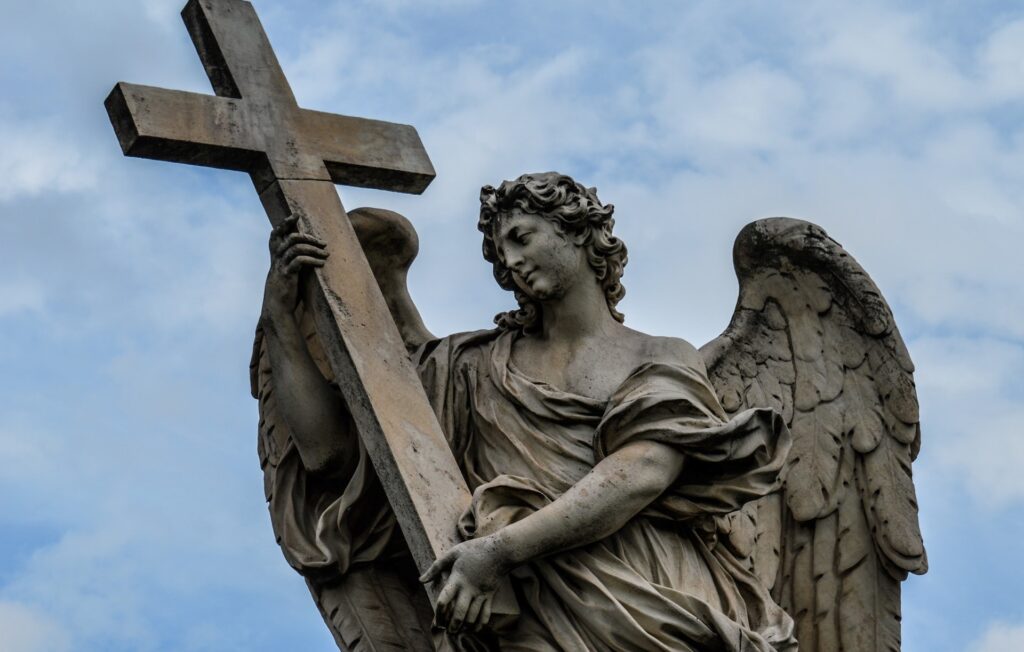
pixel 121 118
pixel 182 127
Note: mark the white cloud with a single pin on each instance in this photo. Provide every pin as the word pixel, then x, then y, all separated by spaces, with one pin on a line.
pixel 973 414
pixel 20 296
pixel 29 453
pixel 892 47
pixel 37 158
pixel 753 107
pixel 26 629
pixel 399 5
pixel 1002 62
pixel 1000 637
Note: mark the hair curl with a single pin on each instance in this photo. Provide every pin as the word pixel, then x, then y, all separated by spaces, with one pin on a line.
pixel 576 211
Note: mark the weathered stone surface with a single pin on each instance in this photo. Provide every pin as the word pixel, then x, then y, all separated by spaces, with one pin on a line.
pixel 638 493
pixel 814 339
pixel 254 123
pixel 559 420
pixel 294 157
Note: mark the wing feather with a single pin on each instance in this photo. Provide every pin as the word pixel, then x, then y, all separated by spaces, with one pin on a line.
pixel 869 604
pixel 766 514
pixel 827 583
pixel 365 617
pixel 813 337
pixel 813 471
pixel 863 417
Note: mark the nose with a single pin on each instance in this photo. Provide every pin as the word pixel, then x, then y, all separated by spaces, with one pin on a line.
pixel 513 259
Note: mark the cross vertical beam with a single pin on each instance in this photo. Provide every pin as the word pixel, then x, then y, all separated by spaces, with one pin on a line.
pixel 295 157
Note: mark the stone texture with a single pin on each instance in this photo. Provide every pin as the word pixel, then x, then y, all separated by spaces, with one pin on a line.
pixel 295 157
pixel 813 338
pixel 581 438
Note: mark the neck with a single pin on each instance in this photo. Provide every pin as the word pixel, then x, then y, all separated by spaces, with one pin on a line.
pixel 581 312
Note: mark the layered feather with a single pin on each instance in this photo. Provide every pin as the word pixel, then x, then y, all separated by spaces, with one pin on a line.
pixel 813 338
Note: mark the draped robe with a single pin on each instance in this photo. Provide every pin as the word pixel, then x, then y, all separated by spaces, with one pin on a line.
pixel 662 582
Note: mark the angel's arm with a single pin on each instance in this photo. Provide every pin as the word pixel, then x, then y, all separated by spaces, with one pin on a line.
pixel 598 505
pixel 312 408
pixel 618 488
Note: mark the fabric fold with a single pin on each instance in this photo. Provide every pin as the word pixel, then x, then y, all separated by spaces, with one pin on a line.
pixel 727 464
pixel 657 584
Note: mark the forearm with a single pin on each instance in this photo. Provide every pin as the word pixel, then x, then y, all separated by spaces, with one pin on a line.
pixel 600 504
pixel 314 412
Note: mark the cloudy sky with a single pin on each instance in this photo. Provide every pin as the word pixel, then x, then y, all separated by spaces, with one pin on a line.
pixel 131 505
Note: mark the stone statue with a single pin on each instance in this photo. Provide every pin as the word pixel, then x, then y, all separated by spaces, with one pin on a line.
pixel 624 485
pixel 628 491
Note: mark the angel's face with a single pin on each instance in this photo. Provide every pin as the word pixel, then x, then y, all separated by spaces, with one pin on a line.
pixel 544 262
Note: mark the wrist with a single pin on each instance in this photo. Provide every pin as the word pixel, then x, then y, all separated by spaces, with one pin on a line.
pixel 509 551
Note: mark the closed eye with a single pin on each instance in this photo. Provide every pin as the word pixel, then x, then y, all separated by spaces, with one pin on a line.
pixel 517 236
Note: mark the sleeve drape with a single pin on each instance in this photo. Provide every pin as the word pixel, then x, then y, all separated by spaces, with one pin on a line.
pixel 728 462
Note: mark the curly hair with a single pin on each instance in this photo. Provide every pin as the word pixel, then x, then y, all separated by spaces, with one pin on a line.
pixel 576 211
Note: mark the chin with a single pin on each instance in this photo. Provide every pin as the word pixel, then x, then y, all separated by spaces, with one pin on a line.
pixel 541 288
pixel 545 292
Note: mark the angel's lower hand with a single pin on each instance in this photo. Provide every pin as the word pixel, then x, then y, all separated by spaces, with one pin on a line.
pixel 476 568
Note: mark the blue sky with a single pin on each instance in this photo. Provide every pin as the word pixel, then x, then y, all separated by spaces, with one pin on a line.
pixel 132 515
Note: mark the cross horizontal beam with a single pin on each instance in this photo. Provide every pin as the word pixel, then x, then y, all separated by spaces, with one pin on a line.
pixel 229 133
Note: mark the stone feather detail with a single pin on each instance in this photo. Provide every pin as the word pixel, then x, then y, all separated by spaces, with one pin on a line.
pixel 813 337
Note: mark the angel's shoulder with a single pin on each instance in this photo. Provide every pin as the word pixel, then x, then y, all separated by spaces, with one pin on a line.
pixel 669 350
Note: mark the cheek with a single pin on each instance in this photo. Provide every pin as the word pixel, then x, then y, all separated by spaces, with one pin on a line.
pixel 560 267
pixel 566 259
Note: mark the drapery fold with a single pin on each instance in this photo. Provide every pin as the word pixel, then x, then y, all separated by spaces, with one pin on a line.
pixel 657 584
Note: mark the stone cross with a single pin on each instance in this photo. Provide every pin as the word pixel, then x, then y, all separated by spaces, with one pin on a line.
pixel 295 156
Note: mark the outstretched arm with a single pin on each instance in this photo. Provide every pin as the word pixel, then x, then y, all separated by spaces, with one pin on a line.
pixel 600 504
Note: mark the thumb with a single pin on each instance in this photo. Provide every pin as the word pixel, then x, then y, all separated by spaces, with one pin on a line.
pixel 442 564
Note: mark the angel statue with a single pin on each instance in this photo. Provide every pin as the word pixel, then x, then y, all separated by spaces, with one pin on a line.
pixel 629 491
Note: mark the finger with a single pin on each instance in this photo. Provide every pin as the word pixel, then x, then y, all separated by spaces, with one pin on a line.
pixel 459 610
pixel 440 564
pixel 285 225
pixel 306 238
pixel 281 245
pixel 444 600
pixel 295 251
pixel 303 250
pixel 305 235
pixel 299 262
pixel 433 572
pixel 474 611
pixel 485 614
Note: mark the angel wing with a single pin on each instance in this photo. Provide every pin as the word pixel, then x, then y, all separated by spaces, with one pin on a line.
pixel 377 606
pixel 812 337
